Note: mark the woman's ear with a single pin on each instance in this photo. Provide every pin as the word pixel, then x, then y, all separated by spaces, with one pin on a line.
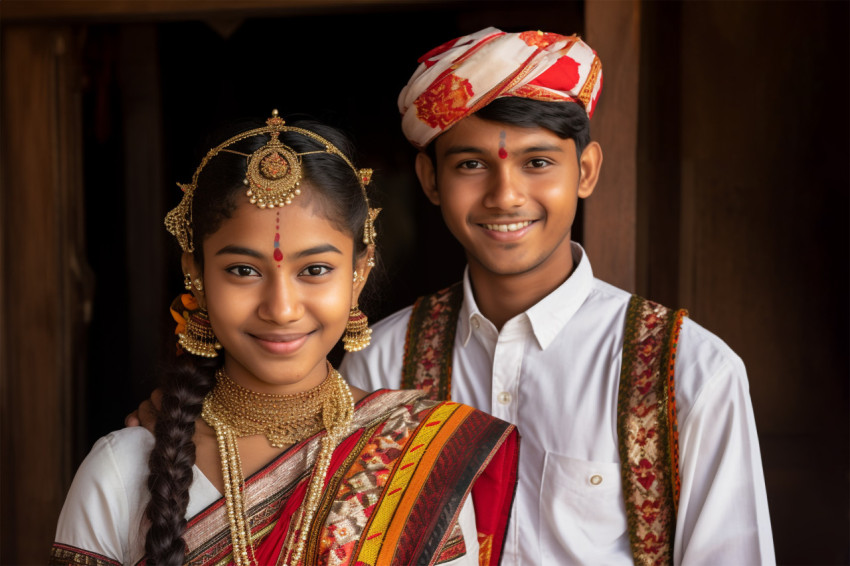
pixel 589 164
pixel 427 177
pixel 195 276
pixel 362 267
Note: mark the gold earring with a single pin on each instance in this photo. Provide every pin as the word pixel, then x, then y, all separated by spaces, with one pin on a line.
pixel 199 285
pixel 199 338
pixel 357 335
pixel 358 277
pixel 187 281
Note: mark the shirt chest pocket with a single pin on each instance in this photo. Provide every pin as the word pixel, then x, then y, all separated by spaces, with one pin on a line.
pixel 582 514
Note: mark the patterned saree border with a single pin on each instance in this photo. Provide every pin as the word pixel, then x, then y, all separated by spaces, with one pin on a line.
pixel 417 493
pixel 491 436
pixel 430 342
pixel 311 554
pixel 65 554
pixel 647 429
pixel 403 475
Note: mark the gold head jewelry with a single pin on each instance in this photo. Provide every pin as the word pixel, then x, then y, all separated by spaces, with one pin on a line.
pixel 233 411
pixel 273 177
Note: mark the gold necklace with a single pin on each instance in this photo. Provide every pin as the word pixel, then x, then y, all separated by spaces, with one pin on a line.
pixel 233 412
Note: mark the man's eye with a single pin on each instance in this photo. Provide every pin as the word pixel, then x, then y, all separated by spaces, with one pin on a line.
pixel 316 270
pixel 538 163
pixel 470 164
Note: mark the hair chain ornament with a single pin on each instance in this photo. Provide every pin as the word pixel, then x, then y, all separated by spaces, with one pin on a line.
pixel 233 412
pixel 273 177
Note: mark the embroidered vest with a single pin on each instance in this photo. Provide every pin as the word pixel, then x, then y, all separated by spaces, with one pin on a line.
pixel 646 407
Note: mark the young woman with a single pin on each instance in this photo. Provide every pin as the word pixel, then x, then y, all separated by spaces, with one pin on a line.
pixel 262 453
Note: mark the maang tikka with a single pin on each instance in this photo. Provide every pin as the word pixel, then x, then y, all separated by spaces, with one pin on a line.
pixel 273 178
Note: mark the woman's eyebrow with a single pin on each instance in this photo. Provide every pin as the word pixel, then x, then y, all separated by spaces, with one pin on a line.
pixel 240 250
pixel 323 248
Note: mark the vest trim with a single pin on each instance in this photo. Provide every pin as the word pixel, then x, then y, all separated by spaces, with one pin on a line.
pixel 647 429
pixel 430 343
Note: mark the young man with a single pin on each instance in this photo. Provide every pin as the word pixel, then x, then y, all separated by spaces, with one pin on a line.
pixel 639 444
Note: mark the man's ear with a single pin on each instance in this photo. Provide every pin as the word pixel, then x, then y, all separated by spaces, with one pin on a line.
pixel 589 164
pixel 427 177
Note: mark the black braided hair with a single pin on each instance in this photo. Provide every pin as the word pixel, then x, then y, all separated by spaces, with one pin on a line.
pixel 336 191
pixel 185 385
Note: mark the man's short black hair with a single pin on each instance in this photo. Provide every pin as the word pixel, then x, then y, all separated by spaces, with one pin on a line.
pixel 567 120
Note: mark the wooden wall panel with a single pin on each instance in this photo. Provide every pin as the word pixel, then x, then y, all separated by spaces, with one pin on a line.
pixel 43 283
pixel 610 221
pixel 764 240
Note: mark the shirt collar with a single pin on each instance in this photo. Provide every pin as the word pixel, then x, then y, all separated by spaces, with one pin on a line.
pixel 468 309
pixel 549 316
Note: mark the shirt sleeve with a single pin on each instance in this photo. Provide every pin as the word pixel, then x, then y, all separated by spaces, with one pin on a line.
pixel 98 513
pixel 723 515
pixel 379 365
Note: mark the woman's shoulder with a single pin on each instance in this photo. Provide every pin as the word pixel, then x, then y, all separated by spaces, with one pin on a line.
pixel 107 496
pixel 119 452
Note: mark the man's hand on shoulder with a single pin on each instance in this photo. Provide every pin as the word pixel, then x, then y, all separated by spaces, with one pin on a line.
pixel 146 414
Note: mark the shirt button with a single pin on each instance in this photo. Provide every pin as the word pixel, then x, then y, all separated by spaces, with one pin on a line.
pixel 475 323
pixel 595 479
pixel 504 397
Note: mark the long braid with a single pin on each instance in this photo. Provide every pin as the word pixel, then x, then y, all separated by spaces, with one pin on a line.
pixel 173 457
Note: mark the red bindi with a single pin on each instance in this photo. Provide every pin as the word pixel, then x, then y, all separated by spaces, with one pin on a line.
pixel 503 153
pixel 278 255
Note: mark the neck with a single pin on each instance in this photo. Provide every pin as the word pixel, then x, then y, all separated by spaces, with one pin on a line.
pixel 501 297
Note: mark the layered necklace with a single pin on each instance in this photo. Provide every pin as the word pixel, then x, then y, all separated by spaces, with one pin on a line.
pixel 233 412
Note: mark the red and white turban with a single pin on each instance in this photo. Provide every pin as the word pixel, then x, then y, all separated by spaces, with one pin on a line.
pixel 464 75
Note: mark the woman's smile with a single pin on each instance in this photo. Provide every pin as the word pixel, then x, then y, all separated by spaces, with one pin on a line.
pixel 281 344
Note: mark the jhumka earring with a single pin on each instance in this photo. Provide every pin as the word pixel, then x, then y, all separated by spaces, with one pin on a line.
pixel 199 338
pixel 357 335
pixel 187 281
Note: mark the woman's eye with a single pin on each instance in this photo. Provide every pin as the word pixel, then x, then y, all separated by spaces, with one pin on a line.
pixel 243 271
pixel 316 270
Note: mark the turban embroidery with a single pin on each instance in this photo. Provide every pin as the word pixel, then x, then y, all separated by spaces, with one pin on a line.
pixel 462 76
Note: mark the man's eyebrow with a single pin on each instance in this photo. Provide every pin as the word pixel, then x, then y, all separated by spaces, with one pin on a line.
pixel 324 248
pixel 546 147
pixel 456 149
pixel 239 250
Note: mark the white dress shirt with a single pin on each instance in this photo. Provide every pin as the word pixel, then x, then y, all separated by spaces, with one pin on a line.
pixel 554 371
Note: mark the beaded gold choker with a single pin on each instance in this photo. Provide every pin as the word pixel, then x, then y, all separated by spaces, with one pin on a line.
pixel 273 177
pixel 233 412
pixel 283 419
